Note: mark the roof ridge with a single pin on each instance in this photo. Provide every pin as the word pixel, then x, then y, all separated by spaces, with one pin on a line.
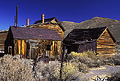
pixel 91 28
pixel 45 19
pixel 85 34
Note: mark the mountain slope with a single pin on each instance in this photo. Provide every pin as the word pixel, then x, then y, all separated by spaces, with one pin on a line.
pixel 114 25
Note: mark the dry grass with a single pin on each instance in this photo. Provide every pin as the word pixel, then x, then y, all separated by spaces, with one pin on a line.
pixel 98 68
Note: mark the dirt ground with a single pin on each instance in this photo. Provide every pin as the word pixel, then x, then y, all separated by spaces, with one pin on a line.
pixel 103 71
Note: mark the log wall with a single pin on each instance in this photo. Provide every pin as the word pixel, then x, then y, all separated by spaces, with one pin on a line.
pixel 105 44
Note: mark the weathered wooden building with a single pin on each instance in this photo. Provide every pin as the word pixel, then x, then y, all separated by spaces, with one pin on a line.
pixel 30 42
pixel 3 36
pixel 99 40
pixel 50 23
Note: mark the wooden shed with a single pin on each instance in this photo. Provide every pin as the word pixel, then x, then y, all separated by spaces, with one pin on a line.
pixel 30 42
pixel 98 39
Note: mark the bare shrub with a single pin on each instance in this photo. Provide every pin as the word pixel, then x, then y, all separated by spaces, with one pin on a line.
pixel 89 58
pixel 69 72
pixel 46 71
pixel 116 59
pixel 12 68
pixel 89 62
pixel 115 77
pixel 91 54
pixel 83 67
pixel 110 60
pixel 51 72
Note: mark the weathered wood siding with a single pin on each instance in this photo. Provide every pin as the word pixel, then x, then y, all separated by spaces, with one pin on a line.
pixel 3 36
pixel 33 48
pixel 105 44
pixel 20 47
pixel 80 48
pixel 91 46
pixel 45 48
pixel 53 27
pixel 53 21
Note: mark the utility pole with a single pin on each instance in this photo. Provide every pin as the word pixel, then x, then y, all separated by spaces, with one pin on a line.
pixel 16 16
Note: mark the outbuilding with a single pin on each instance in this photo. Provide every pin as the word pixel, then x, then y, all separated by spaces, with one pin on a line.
pixel 99 40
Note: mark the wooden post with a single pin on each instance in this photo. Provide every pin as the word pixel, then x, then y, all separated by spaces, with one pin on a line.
pixel 21 50
pixel 62 59
pixel 14 48
pixel 30 51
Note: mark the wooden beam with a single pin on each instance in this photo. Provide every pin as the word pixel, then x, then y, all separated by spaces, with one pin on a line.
pixel 19 46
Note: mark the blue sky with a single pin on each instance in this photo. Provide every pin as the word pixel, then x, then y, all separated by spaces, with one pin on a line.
pixel 64 10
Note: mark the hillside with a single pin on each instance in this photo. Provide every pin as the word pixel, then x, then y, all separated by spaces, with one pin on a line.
pixel 114 25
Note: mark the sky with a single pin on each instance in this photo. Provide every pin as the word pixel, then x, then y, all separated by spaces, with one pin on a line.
pixel 64 10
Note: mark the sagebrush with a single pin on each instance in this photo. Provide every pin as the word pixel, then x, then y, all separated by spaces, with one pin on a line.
pixel 16 69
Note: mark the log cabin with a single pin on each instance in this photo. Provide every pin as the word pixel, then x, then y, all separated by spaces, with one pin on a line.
pixel 99 40
pixel 30 42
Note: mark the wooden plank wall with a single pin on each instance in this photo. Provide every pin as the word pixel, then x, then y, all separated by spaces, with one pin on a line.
pixel 20 47
pixel 3 36
pixel 105 44
pixel 53 27
pixel 56 48
pixel 36 48
pixel 87 46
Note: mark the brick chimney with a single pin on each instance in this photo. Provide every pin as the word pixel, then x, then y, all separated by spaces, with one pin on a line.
pixel 27 22
pixel 42 18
